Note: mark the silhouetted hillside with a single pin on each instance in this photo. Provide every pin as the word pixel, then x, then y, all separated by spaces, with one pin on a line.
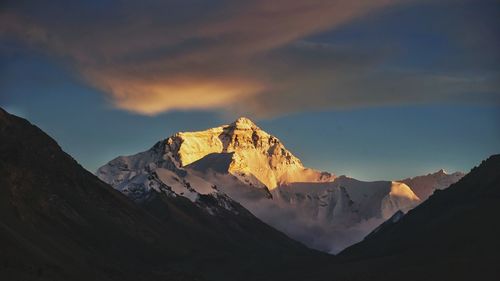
pixel 60 222
pixel 453 235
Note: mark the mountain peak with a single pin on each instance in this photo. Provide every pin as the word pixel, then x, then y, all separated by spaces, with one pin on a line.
pixel 243 123
pixel 425 185
pixel 441 172
pixel 243 150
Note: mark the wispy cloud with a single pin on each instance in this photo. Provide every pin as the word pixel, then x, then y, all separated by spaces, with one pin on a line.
pixel 250 57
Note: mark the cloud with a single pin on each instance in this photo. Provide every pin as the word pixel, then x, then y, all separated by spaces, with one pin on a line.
pixel 242 57
pixel 331 237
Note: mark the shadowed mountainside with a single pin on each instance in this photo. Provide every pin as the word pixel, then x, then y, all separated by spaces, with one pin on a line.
pixel 60 222
pixel 452 235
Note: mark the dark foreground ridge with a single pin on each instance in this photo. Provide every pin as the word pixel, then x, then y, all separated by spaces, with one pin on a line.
pixel 453 235
pixel 60 222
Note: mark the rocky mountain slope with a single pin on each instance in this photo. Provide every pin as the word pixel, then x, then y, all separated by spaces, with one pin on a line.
pixel 242 162
pixel 60 222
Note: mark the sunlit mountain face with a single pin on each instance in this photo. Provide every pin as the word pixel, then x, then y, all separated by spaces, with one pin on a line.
pixel 322 210
pixel 236 140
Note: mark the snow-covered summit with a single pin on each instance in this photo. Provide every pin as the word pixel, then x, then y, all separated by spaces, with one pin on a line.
pixel 240 149
pixel 244 123
pixel 254 154
pixel 424 186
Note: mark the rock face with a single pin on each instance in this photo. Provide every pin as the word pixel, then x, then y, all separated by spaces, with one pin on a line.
pixel 241 162
pixel 252 154
pixel 424 186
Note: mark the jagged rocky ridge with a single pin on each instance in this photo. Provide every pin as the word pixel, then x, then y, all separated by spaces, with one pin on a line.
pixel 241 162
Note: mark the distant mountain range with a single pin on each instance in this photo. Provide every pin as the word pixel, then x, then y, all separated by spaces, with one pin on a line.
pixel 242 162
pixel 164 219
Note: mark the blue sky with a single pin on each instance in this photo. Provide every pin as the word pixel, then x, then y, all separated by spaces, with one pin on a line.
pixel 380 92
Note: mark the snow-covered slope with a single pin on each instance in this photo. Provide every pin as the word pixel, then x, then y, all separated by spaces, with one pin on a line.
pixel 155 171
pixel 425 185
pixel 332 216
pixel 241 162
pixel 349 200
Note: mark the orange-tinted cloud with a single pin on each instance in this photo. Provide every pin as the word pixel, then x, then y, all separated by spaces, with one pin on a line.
pixel 151 96
pixel 247 57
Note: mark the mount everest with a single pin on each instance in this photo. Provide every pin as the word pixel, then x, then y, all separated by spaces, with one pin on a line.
pixel 240 162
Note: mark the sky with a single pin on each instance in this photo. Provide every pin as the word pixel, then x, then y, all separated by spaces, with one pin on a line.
pixel 378 89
